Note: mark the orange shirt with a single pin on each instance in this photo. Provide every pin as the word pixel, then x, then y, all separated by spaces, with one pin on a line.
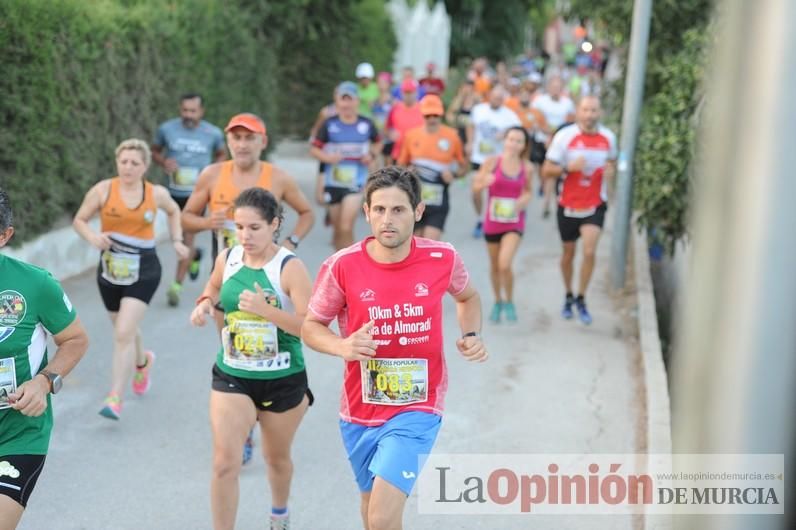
pixel 225 192
pixel 482 85
pixel 531 118
pixel 135 225
pixel 437 150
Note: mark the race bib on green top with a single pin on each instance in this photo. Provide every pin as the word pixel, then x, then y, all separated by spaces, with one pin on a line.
pixel 119 268
pixel 503 210
pixel 394 381
pixel 8 381
pixel 251 343
pixel 432 194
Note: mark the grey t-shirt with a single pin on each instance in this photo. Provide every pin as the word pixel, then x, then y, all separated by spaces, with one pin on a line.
pixel 193 149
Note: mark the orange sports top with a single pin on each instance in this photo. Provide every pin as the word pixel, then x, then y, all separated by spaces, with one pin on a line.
pixel 225 192
pixel 135 226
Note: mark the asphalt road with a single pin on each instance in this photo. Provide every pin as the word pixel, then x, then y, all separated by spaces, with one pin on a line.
pixel 550 386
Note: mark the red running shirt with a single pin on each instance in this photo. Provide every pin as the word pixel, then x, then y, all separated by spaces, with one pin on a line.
pixel 587 188
pixel 405 300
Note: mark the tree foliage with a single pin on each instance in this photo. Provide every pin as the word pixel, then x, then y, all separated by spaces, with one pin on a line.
pixel 79 77
pixel 673 92
pixel 487 28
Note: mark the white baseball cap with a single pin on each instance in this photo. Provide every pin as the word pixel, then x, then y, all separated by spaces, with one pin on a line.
pixel 365 70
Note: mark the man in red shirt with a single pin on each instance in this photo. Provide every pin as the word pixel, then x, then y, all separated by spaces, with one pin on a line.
pixel 404 115
pixel 432 83
pixel 386 293
pixel 585 153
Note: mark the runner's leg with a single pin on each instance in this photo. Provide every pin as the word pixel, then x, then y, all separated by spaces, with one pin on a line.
pixel 350 208
pixel 184 264
pixel 431 232
pixel 591 236
pixel 494 272
pixel 231 418
pixel 125 330
pixel 278 430
pixel 567 259
pixel 507 250
pixel 10 513
pixel 385 506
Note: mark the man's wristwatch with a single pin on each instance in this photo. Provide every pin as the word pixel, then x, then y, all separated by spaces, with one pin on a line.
pixel 294 240
pixel 471 334
pixel 56 382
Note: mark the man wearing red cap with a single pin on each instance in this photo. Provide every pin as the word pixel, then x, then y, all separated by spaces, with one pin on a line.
pixel 219 185
pixel 431 83
pixel 403 116
pixel 436 153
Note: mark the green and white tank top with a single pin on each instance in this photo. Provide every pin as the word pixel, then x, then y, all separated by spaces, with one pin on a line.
pixel 253 347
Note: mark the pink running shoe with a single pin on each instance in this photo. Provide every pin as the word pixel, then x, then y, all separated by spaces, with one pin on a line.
pixel 141 379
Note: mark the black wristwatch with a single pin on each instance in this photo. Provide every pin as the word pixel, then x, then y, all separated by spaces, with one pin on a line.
pixel 56 382
pixel 471 334
pixel 294 240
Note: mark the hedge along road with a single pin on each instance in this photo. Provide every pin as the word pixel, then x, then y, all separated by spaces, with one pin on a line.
pixel 549 387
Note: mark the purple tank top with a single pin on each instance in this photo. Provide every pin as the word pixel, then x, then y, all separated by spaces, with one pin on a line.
pixel 501 207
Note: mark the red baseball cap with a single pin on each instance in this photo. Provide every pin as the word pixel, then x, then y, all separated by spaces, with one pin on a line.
pixel 408 85
pixel 248 121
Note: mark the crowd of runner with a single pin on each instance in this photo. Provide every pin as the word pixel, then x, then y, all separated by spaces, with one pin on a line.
pixel 385 147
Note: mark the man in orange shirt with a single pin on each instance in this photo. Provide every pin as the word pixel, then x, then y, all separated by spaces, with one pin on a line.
pixel 435 151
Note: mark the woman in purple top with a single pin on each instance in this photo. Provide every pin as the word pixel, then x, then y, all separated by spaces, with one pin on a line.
pixel 507 179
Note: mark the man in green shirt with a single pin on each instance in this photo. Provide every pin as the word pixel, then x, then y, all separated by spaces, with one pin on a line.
pixel 367 89
pixel 32 306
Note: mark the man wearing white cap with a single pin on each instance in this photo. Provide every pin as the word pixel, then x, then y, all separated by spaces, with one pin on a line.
pixel 367 89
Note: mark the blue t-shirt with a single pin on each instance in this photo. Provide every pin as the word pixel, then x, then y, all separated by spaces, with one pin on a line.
pixel 351 141
pixel 396 92
pixel 193 149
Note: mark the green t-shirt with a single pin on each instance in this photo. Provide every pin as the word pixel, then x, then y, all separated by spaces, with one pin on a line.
pixel 248 347
pixel 32 306
pixel 367 97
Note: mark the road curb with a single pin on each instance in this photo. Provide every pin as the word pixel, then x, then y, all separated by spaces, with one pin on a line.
pixel 657 408
pixel 65 254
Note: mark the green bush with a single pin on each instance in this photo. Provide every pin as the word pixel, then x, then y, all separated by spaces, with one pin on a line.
pixel 79 77
pixel 667 141
pixel 672 93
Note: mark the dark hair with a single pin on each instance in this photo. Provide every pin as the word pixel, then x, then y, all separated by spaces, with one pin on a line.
pixel 6 215
pixel 264 202
pixel 193 95
pixel 526 151
pixel 402 178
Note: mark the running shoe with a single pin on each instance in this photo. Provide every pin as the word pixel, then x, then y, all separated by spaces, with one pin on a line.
pixel 173 294
pixel 141 380
pixel 478 231
pixel 248 447
pixel 510 311
pixel 193 269
pixel 583 313
pixel 566 311
pixel 280 522
pixel 546 212
pixel 112 408
pixel 494 315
